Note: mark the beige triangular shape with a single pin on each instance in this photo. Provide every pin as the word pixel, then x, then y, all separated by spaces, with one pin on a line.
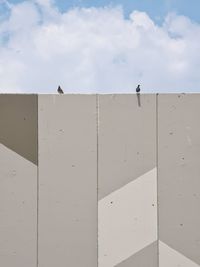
pixel 169 257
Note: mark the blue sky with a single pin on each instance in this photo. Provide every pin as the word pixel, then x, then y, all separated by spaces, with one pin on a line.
pixel 109 48
pixel 157 9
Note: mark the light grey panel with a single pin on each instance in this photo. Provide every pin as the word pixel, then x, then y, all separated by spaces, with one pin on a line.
pixel 67 181
pixel 127 180
pixel 179 172
pixel 18 210
pixel 18 181
pixel 127 139
pixel 143 258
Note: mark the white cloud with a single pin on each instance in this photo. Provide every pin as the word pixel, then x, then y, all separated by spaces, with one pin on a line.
pixel 96 50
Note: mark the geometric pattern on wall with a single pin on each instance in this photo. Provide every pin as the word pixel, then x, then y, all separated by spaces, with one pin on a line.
pixel 18 180
pixel 128 220
pixel 142 258
pixel 110 174
pixel 179 172
pixel 18 124
pixel 18 210
pixel 126 140
pixel 170 257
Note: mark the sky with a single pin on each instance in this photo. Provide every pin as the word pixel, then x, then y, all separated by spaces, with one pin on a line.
pixel 99 46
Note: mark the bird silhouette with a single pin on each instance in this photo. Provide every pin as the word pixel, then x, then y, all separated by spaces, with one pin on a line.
pixel 138 95
pixel 59 90
pixel 138 88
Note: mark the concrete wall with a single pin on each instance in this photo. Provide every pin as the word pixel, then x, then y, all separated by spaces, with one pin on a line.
pixel 98 180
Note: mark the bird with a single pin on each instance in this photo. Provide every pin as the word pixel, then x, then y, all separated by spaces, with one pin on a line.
pixel 138 95
pixel 138 88
pixel 59 90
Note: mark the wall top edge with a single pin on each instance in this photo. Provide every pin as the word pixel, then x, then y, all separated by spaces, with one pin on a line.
pixel 94 94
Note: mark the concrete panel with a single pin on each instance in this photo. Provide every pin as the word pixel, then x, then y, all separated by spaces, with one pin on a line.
pixel 128 220
pixel 178 173
pixel 171 257
pixel 127 139
pixel 143 258
pixel 18 210
pixel 67 181
pixel 18 124
pixel 127 179
pixel 18 180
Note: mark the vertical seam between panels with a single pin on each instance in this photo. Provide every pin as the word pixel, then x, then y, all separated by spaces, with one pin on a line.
pixel 157 179
pixel 37 252
pixel 97 170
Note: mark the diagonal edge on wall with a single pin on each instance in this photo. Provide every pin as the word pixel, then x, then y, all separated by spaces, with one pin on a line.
pixel 128 220
pixel 169 256
pixel 18 124
pixel 127 139
pixel 146 257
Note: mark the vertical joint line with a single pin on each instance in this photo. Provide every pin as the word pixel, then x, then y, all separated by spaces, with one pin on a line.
pixel 157 179
pixel 37 238
pixel 97 173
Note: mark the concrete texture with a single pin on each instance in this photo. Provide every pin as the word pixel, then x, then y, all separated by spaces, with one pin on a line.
pixel 18 180
pixel 171 257
pixel 81 171
pixel 127 140
pixel 143 258
pixel 18 124
pixel 18 210
pixel 179 173
pixel 127 151
pixel 67 181
pixel 128 220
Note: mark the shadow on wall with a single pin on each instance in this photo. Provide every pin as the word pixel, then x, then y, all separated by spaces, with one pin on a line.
pixel 18 124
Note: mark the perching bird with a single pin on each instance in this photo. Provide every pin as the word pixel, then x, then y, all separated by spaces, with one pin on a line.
pixel 138 95
pixel 59 90
pixel 138 88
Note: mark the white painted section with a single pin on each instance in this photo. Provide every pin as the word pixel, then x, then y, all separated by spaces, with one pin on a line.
pixel 169 257
pixel 18 210
pixel 128 220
